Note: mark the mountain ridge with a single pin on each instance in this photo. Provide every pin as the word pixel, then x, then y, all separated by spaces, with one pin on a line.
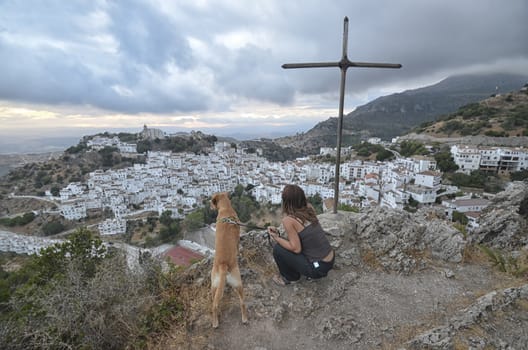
pixel 396 114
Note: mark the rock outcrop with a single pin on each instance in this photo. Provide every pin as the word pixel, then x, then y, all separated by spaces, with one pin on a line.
pixel 501 225
pixel 480 314
pixel 397 240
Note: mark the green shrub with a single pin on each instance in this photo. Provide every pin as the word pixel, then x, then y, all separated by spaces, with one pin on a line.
pixel 20 220
pixel 512 265
pixel 346 207
pixel 523 208
pixel 78 295
pixel 460 217
pixel 52 228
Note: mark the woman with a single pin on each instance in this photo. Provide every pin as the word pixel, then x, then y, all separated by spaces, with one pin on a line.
pixel 306 251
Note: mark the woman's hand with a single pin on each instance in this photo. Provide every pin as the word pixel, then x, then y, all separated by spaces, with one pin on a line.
pixel 273 232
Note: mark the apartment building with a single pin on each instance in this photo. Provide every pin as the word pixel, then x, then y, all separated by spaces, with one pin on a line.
pixel 497 159
pixel 467 158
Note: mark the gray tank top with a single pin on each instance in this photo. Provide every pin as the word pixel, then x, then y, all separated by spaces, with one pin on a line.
pixel 315 245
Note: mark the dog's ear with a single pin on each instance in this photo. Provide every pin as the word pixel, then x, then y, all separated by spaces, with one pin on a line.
pixel 214 201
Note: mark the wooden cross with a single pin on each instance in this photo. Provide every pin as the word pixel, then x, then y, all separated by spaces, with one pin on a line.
pixel 343 64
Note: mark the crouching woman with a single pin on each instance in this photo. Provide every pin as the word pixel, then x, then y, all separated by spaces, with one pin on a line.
pixel 306 250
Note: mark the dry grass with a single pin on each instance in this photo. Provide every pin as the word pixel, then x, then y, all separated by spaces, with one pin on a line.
pixel 192 287
pixel 370 259
pixel 260 261
pixel 420 254
pixel 402 335
pixel 473 255
pixel 522 304
pixel 460 340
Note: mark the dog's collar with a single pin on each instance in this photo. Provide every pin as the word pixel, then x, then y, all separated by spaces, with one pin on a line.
pixel 228 220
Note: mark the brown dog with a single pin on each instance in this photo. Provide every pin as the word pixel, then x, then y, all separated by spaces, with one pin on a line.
pixel 225 264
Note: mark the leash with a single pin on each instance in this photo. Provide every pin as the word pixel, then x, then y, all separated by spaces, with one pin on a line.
pixel 232 221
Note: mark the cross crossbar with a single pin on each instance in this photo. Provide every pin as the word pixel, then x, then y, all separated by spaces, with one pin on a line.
pixel 343 64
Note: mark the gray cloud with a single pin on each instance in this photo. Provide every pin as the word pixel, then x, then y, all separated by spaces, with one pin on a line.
pixel 138 56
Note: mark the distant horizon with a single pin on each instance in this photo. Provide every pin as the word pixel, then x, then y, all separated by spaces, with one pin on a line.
pixel 54 139
pixel 60 139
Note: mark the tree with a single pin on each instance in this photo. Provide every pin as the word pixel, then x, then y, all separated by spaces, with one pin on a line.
pixel 108 156
pixel 410 148
pixel 384 154
pixel 460 217
pixel 55 190
pixel 194 220
pixel 445 162
pixel 413 202
pixel 238 191
pixel 317 202
pixel 52 228
pixel 143 146
pixel 166 217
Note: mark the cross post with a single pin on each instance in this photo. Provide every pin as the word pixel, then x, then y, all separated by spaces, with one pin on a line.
pixel 343 64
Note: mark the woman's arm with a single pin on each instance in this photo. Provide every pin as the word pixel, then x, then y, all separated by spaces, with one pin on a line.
pixel 292 228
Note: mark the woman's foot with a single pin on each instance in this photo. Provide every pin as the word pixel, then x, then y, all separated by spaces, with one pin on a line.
pixel 281 281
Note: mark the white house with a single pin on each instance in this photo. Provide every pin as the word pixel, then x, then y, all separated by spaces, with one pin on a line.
pixel 429 179
pixel 395 199
pixel 423 163
pixel 73 209
pixel 71 190
pixel 323 151
pixel 465 205
pixel 112 227
pixel 467 158
pixel 423 195
pixel 127 147
pixel 353 170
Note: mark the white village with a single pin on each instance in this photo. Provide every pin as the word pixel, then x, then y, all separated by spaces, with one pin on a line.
pixel 182 182
pixel 179 182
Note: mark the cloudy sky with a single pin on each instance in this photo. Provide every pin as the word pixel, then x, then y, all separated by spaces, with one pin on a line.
pixel 215 65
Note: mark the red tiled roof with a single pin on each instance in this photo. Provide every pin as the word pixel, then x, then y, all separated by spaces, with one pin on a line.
pixel 182 256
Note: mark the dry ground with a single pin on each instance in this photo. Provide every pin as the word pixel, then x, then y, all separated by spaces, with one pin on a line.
pixel 353 308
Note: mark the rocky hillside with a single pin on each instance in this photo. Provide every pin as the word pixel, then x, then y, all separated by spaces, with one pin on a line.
pixel 504 115
pixel 396 114
pixel 402 281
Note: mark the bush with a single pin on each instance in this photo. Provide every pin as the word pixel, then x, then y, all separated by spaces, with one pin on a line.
pixel 20 220
pixel 460 217
pixel 52 228
pixel 56 304
pixel 523 208
pixel 519 175
pixel 506 263
pixel 346 207
pixel 445 161
pixel 494 133
pixel 410 148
